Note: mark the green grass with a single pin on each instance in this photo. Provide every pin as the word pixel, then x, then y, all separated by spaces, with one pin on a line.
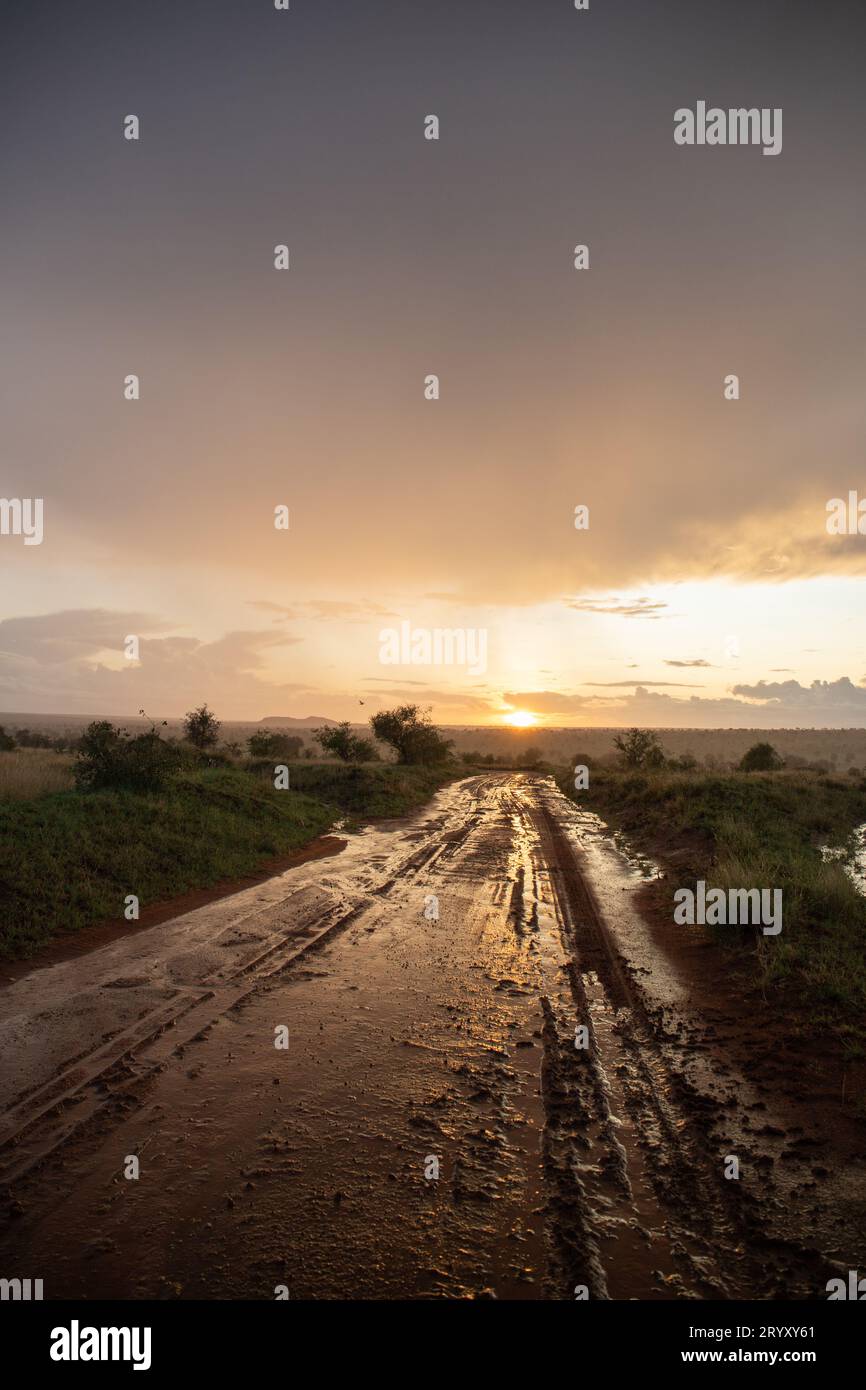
pixel 68 859
pixel 368 789
pixel 753 830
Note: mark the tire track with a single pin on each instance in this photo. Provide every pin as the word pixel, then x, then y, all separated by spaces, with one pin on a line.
pixel 662 1146
pixel 40 1122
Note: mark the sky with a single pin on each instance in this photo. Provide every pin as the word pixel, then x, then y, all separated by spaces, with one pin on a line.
pixel 706 590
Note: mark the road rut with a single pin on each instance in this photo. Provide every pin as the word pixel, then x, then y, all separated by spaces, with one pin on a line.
pixel 431 1129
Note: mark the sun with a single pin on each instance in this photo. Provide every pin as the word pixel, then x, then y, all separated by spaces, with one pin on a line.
pixel 520 719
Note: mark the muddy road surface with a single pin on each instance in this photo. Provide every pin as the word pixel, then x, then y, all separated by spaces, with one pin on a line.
pixel 367 1078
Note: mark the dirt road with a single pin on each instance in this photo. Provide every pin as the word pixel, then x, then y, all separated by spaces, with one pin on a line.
pixel 431 1128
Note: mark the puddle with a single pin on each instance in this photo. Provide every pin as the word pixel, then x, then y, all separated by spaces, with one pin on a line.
pixel 852 857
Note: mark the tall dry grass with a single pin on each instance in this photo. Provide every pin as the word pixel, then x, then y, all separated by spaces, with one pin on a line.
pixel 29 772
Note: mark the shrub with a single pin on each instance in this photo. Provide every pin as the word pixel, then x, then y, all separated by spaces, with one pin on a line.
pixel 761 757
pixel 411 734
pixel 345 745
pixel 201 727
pixel 640 748
pixel 110 757
pixel 264 743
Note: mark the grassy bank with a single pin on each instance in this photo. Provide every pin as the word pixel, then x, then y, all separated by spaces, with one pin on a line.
pixel 745 830
pixel 368 790
pixel 68 859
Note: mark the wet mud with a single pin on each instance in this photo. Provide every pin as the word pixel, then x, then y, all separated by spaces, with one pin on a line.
pixel 366 1079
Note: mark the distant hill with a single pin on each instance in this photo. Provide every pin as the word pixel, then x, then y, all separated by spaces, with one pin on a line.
pixel 309 721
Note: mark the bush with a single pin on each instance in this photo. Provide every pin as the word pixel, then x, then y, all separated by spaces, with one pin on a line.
pixel 201 727
pixel 345 745
pixel 761 757
pixel 640 748
pixel 266 744
pixel 110 757
pixel 411 734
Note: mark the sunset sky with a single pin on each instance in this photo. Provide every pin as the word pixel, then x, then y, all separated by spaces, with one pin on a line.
pixel 706 591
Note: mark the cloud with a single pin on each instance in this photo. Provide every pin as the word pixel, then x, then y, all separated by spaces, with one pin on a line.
pixel 72 635
pixel 329 609
pixel 389 680
pixel 326 609
pixel 414 693
pixel 244 407
pixel 553 701
pixel 630 608
pixel 765 705
pixel 61 662
pixel 266 607
pixel 688 685
pixel 699 662
pixel 821 697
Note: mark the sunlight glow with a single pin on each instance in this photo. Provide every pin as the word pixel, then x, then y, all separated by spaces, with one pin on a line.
pixel 520 719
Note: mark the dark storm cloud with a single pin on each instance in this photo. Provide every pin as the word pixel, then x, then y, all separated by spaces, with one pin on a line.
pixel 455 257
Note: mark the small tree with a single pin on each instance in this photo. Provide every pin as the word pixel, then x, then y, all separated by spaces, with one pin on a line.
pixel 411 734
pixel 761 757
pixel 201 727
pixel 640 748
pixel 259 743
pixel 6 743
pixel 266 744
pixel 343 744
